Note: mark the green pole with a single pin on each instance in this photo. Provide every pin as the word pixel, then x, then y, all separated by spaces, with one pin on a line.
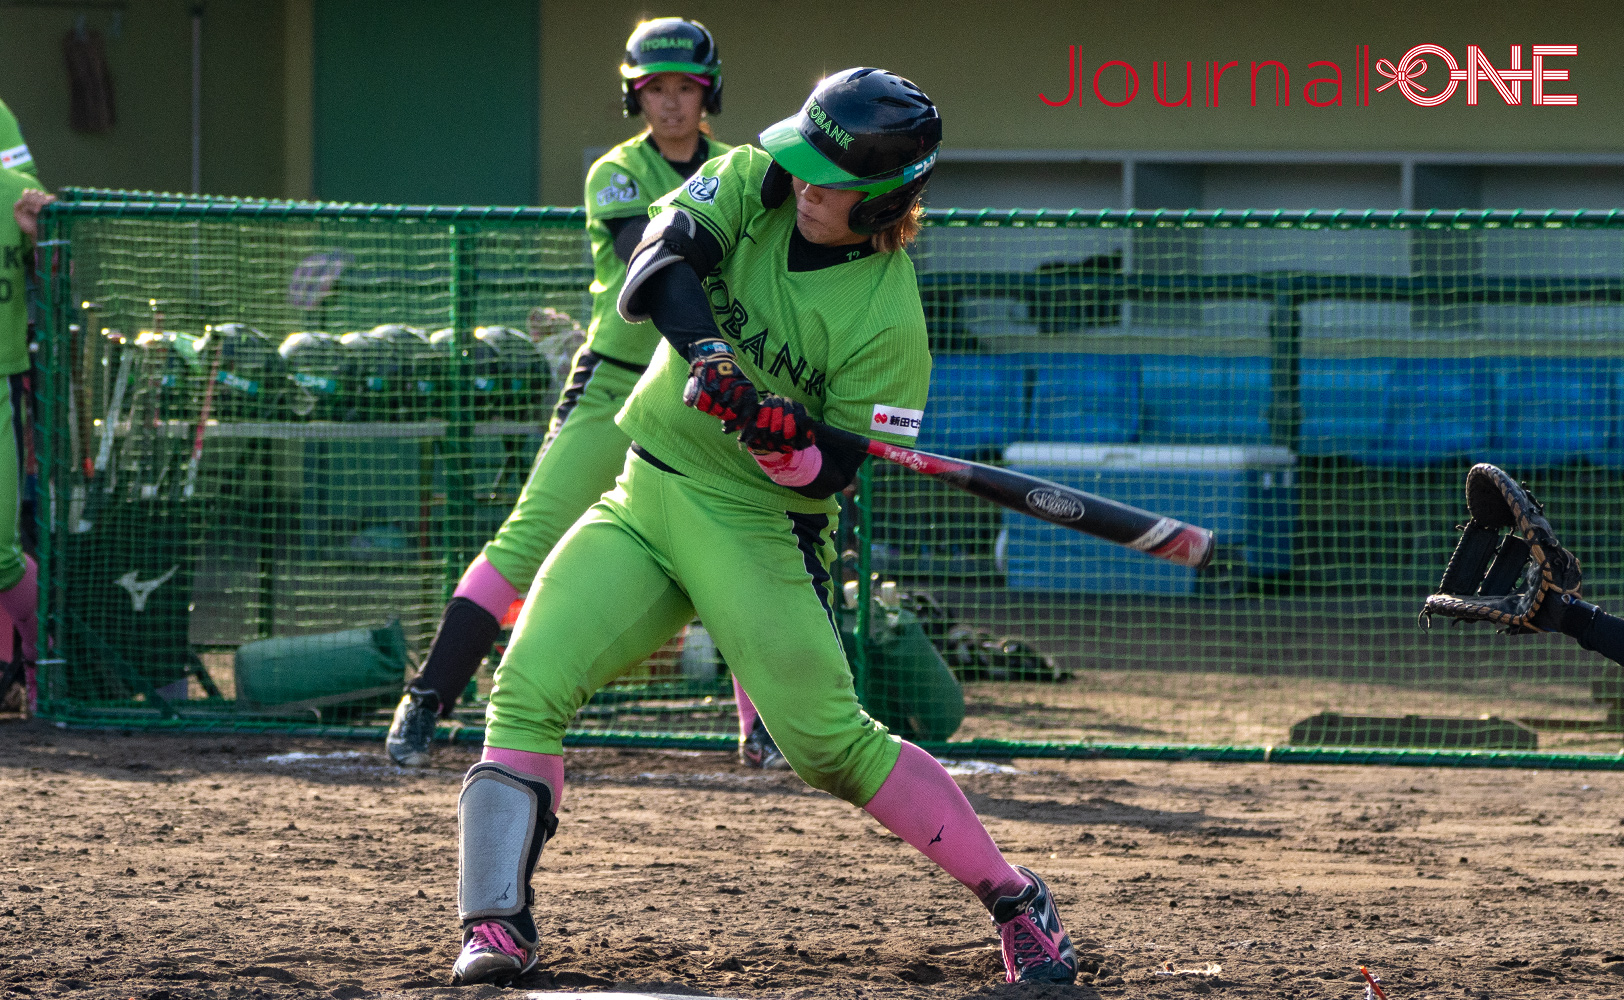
pixel 460 417
pixel 55 482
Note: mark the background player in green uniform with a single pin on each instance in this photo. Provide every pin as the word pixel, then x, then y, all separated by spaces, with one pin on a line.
pixel 672 76
pixel 19 593
pixel 775 311
pixel 14 154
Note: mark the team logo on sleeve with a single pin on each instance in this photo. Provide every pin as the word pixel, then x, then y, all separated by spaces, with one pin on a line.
pixel 895 420
pixel 703 188
pixel 16 156
pixel 621 189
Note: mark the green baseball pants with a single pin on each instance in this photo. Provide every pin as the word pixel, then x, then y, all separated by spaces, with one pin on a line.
pixel 637 566
pixel 579 460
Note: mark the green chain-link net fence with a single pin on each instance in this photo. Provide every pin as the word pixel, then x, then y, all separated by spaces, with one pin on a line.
pixel 1311 386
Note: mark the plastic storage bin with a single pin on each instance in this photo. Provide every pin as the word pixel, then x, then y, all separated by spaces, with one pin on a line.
pixel 1247 495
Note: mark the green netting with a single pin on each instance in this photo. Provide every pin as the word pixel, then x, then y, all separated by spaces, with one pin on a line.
pixel 1312 386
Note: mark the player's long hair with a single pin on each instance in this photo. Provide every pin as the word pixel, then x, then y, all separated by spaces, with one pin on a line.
pixel 900 233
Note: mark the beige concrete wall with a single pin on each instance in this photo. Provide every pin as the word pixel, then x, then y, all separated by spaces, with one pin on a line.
pixel 985 64
pixel 151 146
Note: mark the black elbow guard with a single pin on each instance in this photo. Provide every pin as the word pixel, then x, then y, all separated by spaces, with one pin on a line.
pixel 671 236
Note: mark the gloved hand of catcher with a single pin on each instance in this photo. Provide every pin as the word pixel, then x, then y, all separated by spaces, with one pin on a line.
pixel 1518 581
pixel 716 385
pixel 781 426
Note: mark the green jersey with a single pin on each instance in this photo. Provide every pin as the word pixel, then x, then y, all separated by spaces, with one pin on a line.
pixel 621 185
pixel 14 153
pixel 839 329
pixel 13 299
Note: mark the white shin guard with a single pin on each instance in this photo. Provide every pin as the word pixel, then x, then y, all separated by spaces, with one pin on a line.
pixel 503 819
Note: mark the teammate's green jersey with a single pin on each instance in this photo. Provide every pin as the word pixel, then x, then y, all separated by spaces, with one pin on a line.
pixel 622 184
pixel 13 298
pixel 14 153
pixel 840 329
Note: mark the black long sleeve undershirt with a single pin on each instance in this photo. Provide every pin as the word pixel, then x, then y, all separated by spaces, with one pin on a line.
pixel 679 307
pixel 681 311
pixel 1597 631
pixel 626 235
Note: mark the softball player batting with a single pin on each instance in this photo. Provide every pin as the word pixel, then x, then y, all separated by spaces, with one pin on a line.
pixel 798 251
pixel 672 76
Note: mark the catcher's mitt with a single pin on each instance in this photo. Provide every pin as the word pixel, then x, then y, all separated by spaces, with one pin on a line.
pixel 1522 588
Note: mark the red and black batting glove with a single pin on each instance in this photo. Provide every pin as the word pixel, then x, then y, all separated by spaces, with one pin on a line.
pixel 781 425
pixel 716 385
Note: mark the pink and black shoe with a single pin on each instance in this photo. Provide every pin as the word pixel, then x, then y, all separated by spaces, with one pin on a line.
pixel 491 955
pixel 1036 946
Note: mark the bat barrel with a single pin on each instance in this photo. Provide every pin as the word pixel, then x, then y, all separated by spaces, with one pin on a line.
pixel 1161 537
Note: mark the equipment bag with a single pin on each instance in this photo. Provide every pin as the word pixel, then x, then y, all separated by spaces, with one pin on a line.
pixel 335 674
pixel 908 687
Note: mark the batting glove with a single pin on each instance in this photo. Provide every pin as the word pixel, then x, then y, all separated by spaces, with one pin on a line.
pixel 716 385
pixel 781 425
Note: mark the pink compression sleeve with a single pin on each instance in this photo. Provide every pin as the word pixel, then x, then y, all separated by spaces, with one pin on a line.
pixel 921 803
pixel 747 709
pixel 549 767
pixel 795 469
pixel 483 585
pixel 21 603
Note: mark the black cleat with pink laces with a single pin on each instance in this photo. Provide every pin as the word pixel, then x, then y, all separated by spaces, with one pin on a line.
pixel 1036 946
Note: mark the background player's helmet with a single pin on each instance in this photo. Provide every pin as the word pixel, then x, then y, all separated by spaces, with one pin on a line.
pixel 671 45
pixel 318 367
pixel 867 130
pixel 251 378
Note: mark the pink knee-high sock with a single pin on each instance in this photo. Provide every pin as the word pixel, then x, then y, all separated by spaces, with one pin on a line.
pixel 921 803
pixel 21 604
pixel 483 585
pixel 549 767
pixel 747 709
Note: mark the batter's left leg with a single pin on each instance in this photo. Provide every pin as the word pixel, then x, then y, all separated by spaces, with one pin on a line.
pixel 783 645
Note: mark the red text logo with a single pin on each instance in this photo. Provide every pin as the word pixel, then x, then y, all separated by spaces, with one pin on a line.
pixel 1426 76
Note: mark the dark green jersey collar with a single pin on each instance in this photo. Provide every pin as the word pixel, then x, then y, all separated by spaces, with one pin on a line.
pixel 703 151
pixel 804 255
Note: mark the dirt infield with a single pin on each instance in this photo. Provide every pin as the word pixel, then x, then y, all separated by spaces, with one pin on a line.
pixel 221 867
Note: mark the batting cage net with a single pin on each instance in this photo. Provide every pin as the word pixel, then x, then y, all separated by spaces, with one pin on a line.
pixel 271 435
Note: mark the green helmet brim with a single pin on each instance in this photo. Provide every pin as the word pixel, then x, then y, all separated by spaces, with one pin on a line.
pixel 801 159
pixel 792 152
pixel 649 69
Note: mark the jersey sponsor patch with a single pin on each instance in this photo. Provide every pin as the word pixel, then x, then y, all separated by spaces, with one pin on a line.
pixel 895 420
pixel 703 188
pixel 15 157
pixel 621 189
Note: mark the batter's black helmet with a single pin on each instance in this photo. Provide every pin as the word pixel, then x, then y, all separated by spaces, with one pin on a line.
pixel 671 45
pixel 867 130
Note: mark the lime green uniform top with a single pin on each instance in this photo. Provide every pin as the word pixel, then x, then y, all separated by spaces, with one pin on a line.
pixel 622 184
pixel 14 153
pixel 13 299
pixel 846 340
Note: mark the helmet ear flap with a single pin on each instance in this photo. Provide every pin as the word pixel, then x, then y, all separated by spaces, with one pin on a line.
pixel 713 96
pixel 876 214
pixel 775 186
